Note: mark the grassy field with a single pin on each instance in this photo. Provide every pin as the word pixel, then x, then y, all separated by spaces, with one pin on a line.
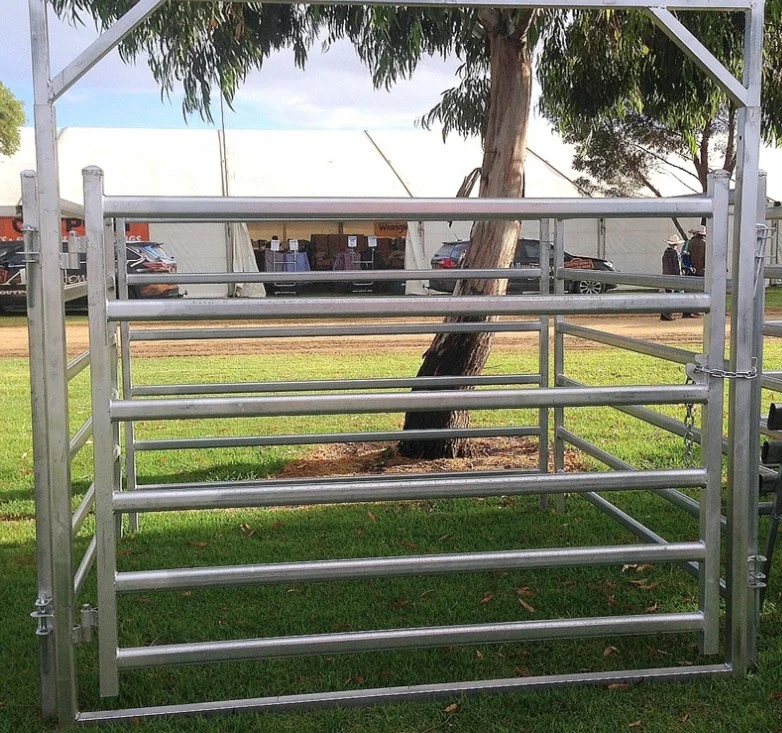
pixel 394 528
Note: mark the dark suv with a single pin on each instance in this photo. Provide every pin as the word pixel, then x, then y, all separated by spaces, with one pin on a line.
pixel 451 256
pixel 143 258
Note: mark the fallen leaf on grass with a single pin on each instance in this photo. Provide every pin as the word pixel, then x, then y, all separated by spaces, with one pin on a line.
pixel 524 591
pixel 408 545
pixel 685 718
pixel 400 603
pixel 372 517
pixel 653 608
pixel 619 686
pixel 775 696
pixel 358 679
pixel 522 672
pixel 385 675
pixel 187 593
pixel 526 606
pixel 643 584
pixel 443 538
pixel 612 600
pixel 452 708
pixel 247 530
pixel 487 598
pixel 654 652
pixel 625 568
pixel 199 545
pixel 478 654
pixel 636 724
pixel 644 566
pixel 609 650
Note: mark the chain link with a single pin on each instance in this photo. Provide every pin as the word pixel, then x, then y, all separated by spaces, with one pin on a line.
pixel 750 373
pixel 689 434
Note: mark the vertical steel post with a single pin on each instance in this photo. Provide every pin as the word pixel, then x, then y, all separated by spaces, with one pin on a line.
pixel 543 351
pixel 711 416
pixel 127 375
pixel 743 427
pixel 104 444
pixel 37 339
pixel 559 353
pixel 53 375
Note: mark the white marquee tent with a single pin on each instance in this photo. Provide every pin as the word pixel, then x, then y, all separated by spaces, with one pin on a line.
pixel 330 163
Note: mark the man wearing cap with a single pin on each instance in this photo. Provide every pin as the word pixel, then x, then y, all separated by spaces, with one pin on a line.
pixel 694 257
pixel 671 265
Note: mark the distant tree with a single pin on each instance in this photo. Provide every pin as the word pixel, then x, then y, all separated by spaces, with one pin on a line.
pixel 11 119
pixel 645 105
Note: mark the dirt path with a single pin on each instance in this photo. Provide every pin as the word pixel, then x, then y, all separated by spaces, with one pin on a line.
pixel 13 338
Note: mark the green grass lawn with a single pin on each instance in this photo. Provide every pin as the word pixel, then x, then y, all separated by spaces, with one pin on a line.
pixel 392 528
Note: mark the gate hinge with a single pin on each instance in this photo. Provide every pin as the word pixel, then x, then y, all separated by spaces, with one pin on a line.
pixel 756 578
pixel 82 634
pixel 42 614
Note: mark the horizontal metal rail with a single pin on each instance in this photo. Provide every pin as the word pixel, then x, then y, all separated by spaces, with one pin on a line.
pixel 387 695
pixel 83 510
pixel 78 364
pixel 646 415
pixel 769 382
pixel 358 329
pixel 377 567
pixel 338 404
pixel 74 292
pixel 379 307
pixel 772 272
pixel 410 638
pixel 716 5
pixel 675 497
pixel 649 348
pixel 333 276
pixel 245 209
pixel 401 489
pixel 87 561
pixel 772 328
pixel 341 480
pixel 318 385
pixel 669 282
pixel 79 440
pixel 317 438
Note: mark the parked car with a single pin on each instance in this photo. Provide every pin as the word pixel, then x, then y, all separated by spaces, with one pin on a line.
pixel 452 254
pixel 142 258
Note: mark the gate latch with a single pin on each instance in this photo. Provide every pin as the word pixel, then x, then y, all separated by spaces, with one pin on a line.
pixel 82 634
pixel 756 577
pixel 42 614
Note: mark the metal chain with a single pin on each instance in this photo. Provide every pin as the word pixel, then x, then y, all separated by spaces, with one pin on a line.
pixel 689 434
pixel 750 373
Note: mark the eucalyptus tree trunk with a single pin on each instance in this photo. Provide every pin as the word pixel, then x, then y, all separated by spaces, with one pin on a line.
pixel 492 243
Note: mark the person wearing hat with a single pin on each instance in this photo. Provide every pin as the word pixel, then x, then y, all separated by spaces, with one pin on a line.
pixel 671 265
pixel 694 257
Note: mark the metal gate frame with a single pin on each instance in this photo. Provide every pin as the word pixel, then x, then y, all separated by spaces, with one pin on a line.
pixel 56 525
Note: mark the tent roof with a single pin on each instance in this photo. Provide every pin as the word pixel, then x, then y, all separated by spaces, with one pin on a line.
pixel 305 163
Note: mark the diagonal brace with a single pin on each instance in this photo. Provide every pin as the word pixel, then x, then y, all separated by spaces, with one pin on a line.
pixel 103 45
pixel 701 56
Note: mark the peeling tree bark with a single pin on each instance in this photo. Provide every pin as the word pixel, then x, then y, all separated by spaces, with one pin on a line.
pixel 492 243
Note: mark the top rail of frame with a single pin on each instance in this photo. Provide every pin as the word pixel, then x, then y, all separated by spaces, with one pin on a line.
pixel 720 5
pixel 217 208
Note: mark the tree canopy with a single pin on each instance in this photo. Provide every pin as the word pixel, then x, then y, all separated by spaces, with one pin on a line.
pixel 11 119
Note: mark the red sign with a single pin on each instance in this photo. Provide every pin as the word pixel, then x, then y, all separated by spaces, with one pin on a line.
pixel 11 228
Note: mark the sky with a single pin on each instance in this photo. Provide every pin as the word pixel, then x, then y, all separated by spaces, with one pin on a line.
pixel 335 92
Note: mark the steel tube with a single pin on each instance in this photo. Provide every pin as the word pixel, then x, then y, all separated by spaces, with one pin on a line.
pixel 410 638
pixel 317 385
pixel 83 510
pixel 78 364
pixel 401 489
pixel 79 440
pixel 387 695
pixel 315 438
pixel 52 398
pixel 669 353
pixel 691 506
pixel 379 307
pixel 772 328
pixel 87 561
pixel 330 276
pixel 74 292
pixel 543 354
pixel 246 209
pixel 670 282
pixel 391 329
pixel 384 567
pixel 338 404
pixel 718 5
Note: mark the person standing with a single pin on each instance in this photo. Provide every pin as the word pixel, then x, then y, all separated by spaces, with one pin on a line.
pixel 694 257
pixel 671 265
